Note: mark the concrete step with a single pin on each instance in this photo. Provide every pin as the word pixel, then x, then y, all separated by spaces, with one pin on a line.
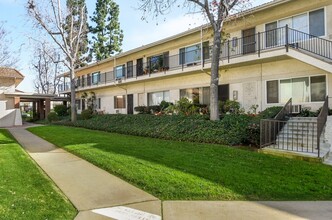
pixel 305 119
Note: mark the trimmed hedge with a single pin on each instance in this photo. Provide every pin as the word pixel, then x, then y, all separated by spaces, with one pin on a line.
pixel 233 129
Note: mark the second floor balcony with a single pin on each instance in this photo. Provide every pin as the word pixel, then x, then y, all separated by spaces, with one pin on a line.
pixel 263 45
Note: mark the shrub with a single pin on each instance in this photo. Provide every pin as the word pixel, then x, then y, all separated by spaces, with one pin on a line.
pixel 270 112
pixel 52 116
pixel 163 105
pixel 231 131
pixel 230 106
pixel 86 114
pixel 154 109
pixel 308 113
pixel 142 109
pixel 61 110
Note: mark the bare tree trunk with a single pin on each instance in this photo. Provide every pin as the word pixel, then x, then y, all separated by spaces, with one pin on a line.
pixel 72 94
pixel 214 107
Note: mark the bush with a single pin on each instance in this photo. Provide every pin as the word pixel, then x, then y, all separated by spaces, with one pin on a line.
pixel 229 106
pixel 86 114
pixel 61 110
pixel 52 116
pixel 270 112
pixel 231 131
pixel 308 113
pixel 142 109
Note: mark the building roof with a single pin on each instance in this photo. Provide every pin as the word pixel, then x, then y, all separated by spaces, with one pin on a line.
pixel 10 73
pixel 258 8
pixel 7 72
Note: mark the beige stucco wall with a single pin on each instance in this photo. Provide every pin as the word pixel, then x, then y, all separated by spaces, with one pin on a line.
pixel 249 82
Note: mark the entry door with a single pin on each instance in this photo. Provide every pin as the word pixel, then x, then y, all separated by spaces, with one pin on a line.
pixel 249 41
pixel 130 104
pixel 223 92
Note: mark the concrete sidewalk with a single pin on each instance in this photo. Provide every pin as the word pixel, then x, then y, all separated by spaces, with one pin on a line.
pixel 99 195
pixel 88 187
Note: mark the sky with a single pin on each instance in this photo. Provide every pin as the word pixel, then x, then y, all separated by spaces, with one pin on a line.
pixel 137 32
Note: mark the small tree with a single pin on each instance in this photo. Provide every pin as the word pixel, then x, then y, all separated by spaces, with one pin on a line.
pixel 65 25
pixel 216 12
pixel 108 36
pixel 45 63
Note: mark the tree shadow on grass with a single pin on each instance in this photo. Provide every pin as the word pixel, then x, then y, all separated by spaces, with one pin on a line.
pixel 253 175
pixel 6 137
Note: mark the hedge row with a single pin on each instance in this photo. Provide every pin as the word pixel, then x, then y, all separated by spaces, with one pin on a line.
pixel 231 130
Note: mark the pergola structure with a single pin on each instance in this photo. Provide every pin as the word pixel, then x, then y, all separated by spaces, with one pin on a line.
pixel 41 103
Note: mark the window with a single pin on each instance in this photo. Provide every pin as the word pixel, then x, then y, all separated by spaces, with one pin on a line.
pixel 83 104
pixel 190 94
pixel 301 90
pixel 119 72
pixel 311 23
pixel 317 23
pixel 190 54
pixel 95 78
pixel 97 103
pixel 155 63
pixel 155 98
pixel 272 91
pixel 318 88
pixel 88 78
pixel 130 69
pixel 82 80
pixel 78 81
pixel 78 104
pixel 197 95
pixel 120 101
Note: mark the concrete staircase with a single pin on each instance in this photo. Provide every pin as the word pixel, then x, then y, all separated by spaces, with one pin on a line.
pixel 299 136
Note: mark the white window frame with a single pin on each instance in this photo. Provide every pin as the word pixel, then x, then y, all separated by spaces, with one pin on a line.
pixel 295 77
pixel 97 74
pixel 307 13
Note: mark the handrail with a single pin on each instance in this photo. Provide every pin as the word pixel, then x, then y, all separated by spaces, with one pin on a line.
pixel 285 112
pixel 269 128
pixel 321 121
pixel 282 37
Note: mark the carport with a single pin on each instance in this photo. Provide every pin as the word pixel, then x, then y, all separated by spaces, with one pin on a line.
pixel 41 103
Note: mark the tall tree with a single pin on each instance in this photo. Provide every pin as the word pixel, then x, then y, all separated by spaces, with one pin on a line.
pixel 108 36
pixel 216 12
pixel 45 64
pixel 6 55
pixel 66 28
pixel 76 6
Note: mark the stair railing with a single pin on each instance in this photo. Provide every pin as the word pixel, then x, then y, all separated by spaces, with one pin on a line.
pixel 269 128
pixel 321 121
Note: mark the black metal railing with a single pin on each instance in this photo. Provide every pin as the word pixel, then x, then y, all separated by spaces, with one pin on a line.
pixel 283 37
pixel 298 134
pixel 321 121
pixel 270 128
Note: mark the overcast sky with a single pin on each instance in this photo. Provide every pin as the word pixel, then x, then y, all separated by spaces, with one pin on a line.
pixel 136 31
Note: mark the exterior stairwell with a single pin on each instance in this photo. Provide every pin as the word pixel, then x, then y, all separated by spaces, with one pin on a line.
pixel 299 134
pixel 301 137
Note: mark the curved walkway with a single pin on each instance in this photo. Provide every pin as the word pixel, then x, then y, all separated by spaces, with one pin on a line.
pixel 99 195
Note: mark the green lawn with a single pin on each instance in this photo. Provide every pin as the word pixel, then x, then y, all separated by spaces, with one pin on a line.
pixel 174 170
pixel 25 192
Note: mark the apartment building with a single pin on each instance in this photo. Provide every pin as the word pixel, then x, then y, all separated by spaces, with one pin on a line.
pixel 276 51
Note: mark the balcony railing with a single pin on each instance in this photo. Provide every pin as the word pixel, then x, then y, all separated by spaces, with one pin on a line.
pixel 283 37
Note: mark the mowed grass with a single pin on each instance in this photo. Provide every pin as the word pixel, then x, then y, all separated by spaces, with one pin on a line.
pixel 25 192
pixel 174 170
